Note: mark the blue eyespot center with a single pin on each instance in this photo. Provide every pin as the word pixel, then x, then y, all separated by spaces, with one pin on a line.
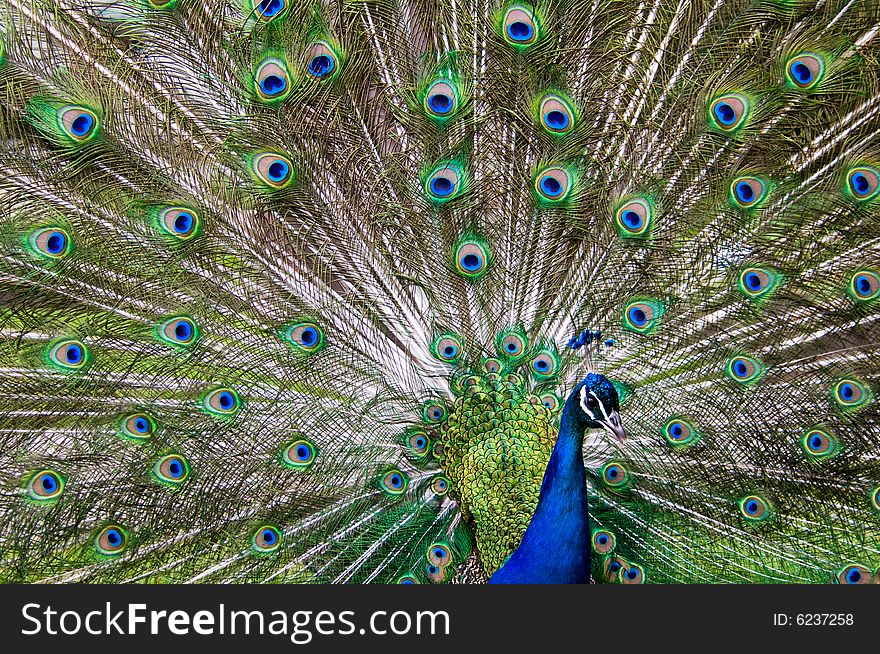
pixel 309 336
pixel 113 537
pixel 863 285
pixel 420 443
pixel 801 72
pixel 631 573
pixel 175 468
pixel 396 481
pixel 745 192
pixel 49 483
pixel 846 391
pixel 854 576
pixel 226 400
pixel 471 262
pixel 449 351
pixel 740 369
pixel 73 354
pixel 439 553
pixel 614 567
pixel 511 347
pixel 303 452
pixel 183 330
pixel 273 84
pixel 751 507
pixel 141 425
pixel 753 281
pixel 442 186
pixel 433 569
pixel 440 103
pixel 183 222
pixel 638 316
pixel 602 540
pixel 632 219
pixel 278 170
pixel 269 537
pixel 270 8
pixel 541 364
pixel 816 442
pixel 551 186
pixel 860 183
pixel 725 113
pixel 436 414
pixel 81 124
pixel 556 119
pixel 321 65
pixel 676 430
pixel 520 31
pixel 55 243
pixel 613 472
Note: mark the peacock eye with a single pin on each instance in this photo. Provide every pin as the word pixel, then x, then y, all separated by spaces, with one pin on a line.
pixel 744 370
pixel 553 184
pixel 614 476
pixel 440 485
pixel 299 454
pixel 680 433
pixel 269 9
pixel 111 540
pixel 272 169
pixel 272 81
pixel 472 258
pixel 592 402
pixel 138 426
pixel 603 542
pixel 443 183
pixel 77 122
pixel 874 496
pixel 865 285
pixel 850 393
pixel 755 508
pixel 633 574
pixel 441 99
pixel 407 579
pixel 804 71
pixel 323 61
pixel 556 114
pixel 439 555
pixel 519 26
pixel 418 442
pixel 854 574
pixel 179 222
pixel 171 469
pixel 747 192
pixel 52 242
pixel 45 485
pixel 394 482
pixel 818 443
pixel 511 345
pixel 863 182
pixel 222 401
pixel 266 539
pixel 447 348
pixel 178 331
pixel 729 112
pixel 434 412
pixel 634 218
pixel 306 337
pixel 642 316
pixel 69 354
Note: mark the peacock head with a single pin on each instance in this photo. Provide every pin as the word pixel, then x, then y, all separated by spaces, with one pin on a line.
pixel 594 404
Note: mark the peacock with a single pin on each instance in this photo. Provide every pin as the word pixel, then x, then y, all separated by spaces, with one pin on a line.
pixel 405 291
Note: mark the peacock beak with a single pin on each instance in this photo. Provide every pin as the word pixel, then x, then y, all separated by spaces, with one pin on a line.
pixel 613 426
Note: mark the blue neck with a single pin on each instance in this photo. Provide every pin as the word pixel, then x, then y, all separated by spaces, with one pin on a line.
pixel 556 546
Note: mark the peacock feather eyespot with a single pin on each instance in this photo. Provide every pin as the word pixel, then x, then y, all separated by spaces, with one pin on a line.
pixel 441 99
pixel 472 258
pixel 744 369
pixel 394 482
pixel 553 184
pixel 447 348
pixel 758 283
pixel 45 485
pixel 306 337
pixel 863 183
pixel 52 242
pixel 633 574
pixel 556 114
pixel 440 485
pixel 729 112
pixel 854 573
pixel 444 183
pixel 137 426
pixel 642 316
pixel 748 192
pixel 271 80
pixel 545 364
pixel 179 330
pixel 439 554
pixel 180 222
pixel 434 411
pixel 418 442
pixel 633 218
pixel 850 393
pixel 111 541
pixel 272 170
pixel 491 365
pixel 615 476
pixel 435 574
pixel 266 539
pixel 269 9
pixel 221 401
pixel 874 497
pixel 298 454
pixel 511 344
pixel 171 470
pixel 613 567
pixel 603 541
pixel 407 579
pixel 818 443
pixel 520 26
pixel 551 401
pixel 864 285
pixel 323 61
pixel 679 432
pixel 755 508
pixel 78 123
pixel 805 71
pixel 68 354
